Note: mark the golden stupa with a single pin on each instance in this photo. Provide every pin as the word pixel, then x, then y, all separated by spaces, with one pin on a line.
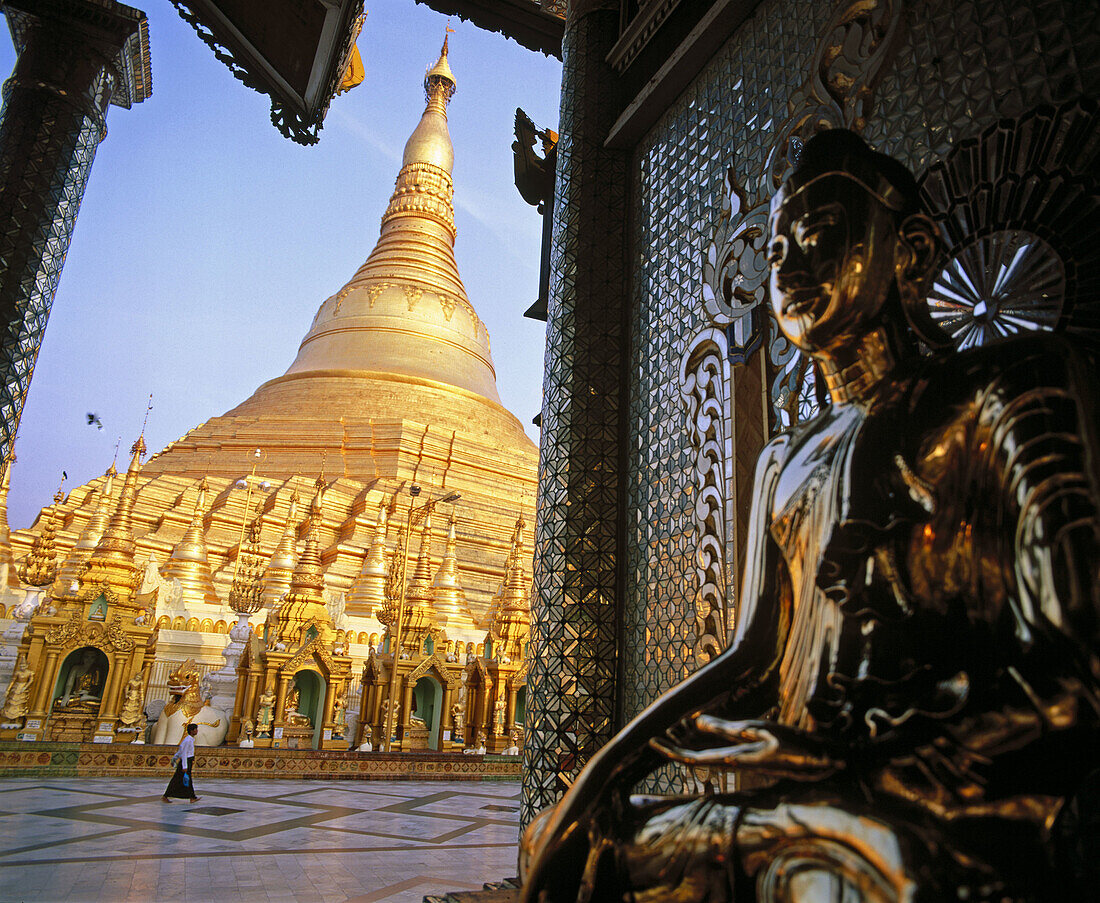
pixel 393 385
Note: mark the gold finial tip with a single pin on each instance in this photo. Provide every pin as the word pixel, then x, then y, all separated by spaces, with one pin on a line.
pixel 441 72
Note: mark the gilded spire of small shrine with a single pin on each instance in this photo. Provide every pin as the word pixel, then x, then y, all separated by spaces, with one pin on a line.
pixel 40 565
pixel 246 593
pixel 112 562
pixel 419 614
pixel 90 536
pixel 189 562
pixel 367 594
pixel 512 607
pixel 304 604
pixel 450 599
pixel 280 567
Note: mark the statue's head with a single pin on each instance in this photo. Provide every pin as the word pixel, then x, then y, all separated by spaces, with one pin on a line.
pixel 849 246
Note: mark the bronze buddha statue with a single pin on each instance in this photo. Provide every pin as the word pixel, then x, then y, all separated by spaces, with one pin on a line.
pixel 914 680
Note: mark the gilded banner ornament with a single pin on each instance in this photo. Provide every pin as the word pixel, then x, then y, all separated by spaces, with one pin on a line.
pixel 915 678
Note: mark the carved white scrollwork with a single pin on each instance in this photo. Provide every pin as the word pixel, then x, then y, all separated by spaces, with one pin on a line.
pixel 704 387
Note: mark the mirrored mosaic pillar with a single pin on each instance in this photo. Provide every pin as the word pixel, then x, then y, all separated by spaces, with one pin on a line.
pixel 75 58
pixel 576 610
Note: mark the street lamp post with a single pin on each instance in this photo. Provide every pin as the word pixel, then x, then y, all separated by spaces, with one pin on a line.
pixel 397 582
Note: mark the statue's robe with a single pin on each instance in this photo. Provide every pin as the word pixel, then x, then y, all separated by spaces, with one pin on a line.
pixel 935 557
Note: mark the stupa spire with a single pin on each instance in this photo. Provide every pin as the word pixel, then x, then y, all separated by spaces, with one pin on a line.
pixel 368 593
pixel 405 311
pixel 450 599
pixel 112 562
pixel 512 609
pixel 280 567
pixel 89 538
pixel 189 562
pixel 40 565
pixel 419 595
pixel 304 604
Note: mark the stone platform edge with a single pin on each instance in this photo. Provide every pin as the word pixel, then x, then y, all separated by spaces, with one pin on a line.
pixel 47 759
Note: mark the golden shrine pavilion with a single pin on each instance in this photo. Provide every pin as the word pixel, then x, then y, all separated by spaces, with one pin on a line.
pixel 392 393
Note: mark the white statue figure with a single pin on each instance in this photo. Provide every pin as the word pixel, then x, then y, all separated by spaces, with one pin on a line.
pixel 478 750
pixel 498 717
pixel 246 741
pixel 514 749
pixel 366 745
pixel 187 706
pixel 459 719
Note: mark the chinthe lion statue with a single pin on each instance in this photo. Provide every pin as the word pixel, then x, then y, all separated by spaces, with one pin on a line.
pixel 186 706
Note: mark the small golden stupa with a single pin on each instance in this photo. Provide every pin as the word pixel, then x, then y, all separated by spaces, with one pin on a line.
pixel 393 386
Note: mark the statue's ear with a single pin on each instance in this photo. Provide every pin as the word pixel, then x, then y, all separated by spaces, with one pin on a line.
pixel 917 264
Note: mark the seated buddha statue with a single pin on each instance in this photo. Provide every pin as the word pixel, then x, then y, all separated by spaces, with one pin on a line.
pixel 295 718
pixel 914 680
pixel 83 684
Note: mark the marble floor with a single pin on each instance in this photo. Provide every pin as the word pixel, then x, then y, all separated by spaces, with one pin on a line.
pixel 112 839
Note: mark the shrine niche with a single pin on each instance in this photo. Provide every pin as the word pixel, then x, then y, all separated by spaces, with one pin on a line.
pixel 295 700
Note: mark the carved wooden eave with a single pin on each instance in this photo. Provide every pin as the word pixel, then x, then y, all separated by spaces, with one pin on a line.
pixel 477 666
pixel 299 62
pixel 119 29
pixel 437 664
pixel 316 651
pixel 372 670
pixel 536 26
pixel 77 632
pixel 661 49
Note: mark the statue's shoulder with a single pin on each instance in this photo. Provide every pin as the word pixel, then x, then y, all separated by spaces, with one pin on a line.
pixel 1003 370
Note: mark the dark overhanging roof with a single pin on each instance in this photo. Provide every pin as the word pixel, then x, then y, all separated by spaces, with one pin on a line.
pixel 530 23
pixel 294 51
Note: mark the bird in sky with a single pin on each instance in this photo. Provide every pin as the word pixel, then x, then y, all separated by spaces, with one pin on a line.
pixel 94 418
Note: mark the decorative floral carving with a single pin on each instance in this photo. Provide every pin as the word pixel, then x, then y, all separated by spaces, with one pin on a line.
pixel 734 271
pixel 76 632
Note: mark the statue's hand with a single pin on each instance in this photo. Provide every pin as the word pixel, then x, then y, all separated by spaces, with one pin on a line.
pixel 758 745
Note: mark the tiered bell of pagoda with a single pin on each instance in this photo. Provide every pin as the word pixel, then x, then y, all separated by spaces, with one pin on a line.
pixel 189 561
pixel 448 598
pixel 368 593
pixel 112 563
pixel 99 501
pixel 304 605
pixel 280 567
pixel 398 344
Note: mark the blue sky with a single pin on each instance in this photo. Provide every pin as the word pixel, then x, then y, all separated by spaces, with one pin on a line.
pixel 206 240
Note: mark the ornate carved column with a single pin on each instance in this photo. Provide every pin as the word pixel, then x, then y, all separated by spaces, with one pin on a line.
pixel 445 723
pixel 576 609
pixel 406 706
pixel 47 681
pixel 75 58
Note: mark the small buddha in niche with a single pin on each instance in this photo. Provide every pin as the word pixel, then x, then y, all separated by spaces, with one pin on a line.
pixel 83 686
